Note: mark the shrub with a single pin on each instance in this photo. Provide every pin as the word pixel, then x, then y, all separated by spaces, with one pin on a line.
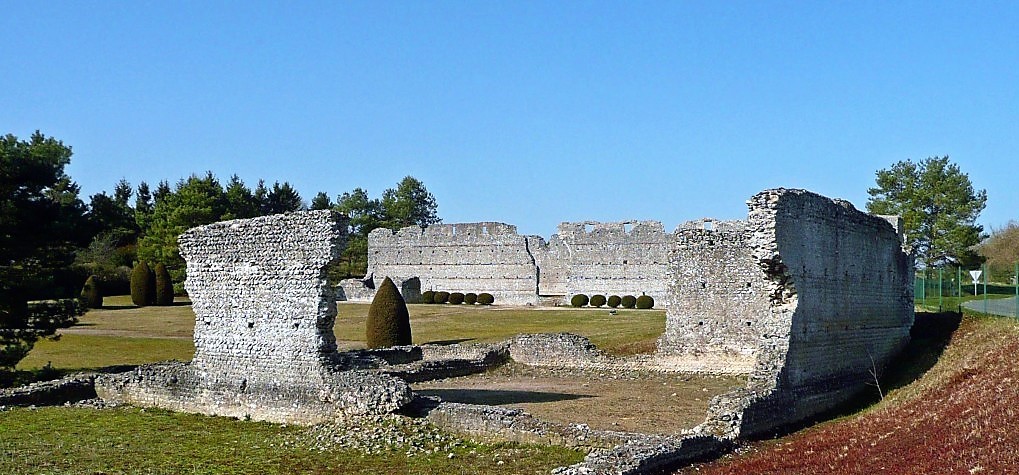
pixel 578 300
pixel 428 296
pixel 597 300
pixel 143 291
pixel 92 293
pixel 388 320
pixel 164 286
pixel 486 298
pixel 628 301
pixel 441 297
pixel 614 301
pixel 645 302
pixel 456 298
pixel 470 298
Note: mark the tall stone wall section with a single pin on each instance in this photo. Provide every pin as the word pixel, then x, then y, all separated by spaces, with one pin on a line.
pixel 466 257
pixel 589 258
pixel 716 296
pixel 819 299
pixel 620 258
pixel 264 344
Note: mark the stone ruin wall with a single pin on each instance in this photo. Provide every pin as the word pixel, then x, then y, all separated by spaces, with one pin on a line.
pixel 716 293
pixel 608 258
pixel 471 257
pixel 264 344
pixel 621 258
pixel 809 294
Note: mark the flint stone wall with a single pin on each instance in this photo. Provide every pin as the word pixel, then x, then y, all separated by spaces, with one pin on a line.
pixel 264 345
pixel 590 258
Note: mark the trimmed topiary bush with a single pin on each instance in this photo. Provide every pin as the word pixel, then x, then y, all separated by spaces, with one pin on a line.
pixel 614 301
pixel 456 298
pixel 441 297
pixel 428 296
pixel 164 286
pixel 92 293
pixel 645 302
pixel 486 298
pixel 597 300
pixel 143 291
pixel 579 300
pixel 470 298
pixel 388 320
pixel 628 301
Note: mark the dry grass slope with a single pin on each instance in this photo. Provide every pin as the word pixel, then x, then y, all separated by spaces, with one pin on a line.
pixel 960 417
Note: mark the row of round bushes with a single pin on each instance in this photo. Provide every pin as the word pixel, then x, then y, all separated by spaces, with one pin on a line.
pixel 627 301
pixel 457 298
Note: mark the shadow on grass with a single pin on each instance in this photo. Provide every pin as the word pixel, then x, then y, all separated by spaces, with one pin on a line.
pixel 495 397
pixel 448 342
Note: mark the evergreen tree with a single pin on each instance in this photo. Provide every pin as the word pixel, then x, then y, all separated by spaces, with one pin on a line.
pixel 409 204
pixel 388 321
pixel 92 293
pixel 321 201
pixel 163 286
pixel 240 202
pixel 142 288
pixel 284 199
pixel 938 205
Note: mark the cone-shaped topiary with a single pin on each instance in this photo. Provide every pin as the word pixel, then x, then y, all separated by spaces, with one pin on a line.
pixel 164 286
pixel 486 298
pixel 645 302
pixel 614 301
pixel 141 284
pixel 578 300
pixel 456 298
pixel 470 298
pixel 428 296
pixel 441 297
pixel 628 301
pixel 388 320
pixel 92 293
pixel 597 300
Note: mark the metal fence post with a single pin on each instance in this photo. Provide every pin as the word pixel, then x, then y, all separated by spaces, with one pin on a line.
pixel 984 268
pixel 941 298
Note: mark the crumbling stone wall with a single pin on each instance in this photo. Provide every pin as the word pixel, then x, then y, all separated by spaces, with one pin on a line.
pixel 264 344
pixel 619 258
pixel 591 258
pixel 470 257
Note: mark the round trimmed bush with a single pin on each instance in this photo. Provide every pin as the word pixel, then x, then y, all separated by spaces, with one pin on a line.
pixel 628 301
pixel 597 300
pixel 470 298
pixel 456 298
pixel 614 301
pixel 164 286
pixel 428 296
pixel 645 302
pixel 578 300
pixel 388 321
pixel 441 297
pixel 143 290
pixel 486 298
pixel 92 293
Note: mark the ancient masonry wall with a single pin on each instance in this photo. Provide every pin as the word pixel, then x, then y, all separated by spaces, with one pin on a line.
pixel 821 298
pixel 590 258
pixel 264 345
pixel 473 257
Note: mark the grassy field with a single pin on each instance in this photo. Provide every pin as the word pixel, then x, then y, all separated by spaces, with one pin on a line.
pixel 124 334
pixel 62 440
pixel 960 416
pixel 129 440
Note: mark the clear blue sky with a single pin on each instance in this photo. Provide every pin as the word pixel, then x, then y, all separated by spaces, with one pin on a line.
pixel 529 113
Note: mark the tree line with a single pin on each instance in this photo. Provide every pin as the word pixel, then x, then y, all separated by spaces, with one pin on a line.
pixel 51 240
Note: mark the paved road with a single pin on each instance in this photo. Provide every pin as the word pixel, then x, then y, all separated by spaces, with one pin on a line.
pixel 1004 307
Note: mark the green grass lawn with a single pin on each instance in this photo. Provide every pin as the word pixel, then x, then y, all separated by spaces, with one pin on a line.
pixel 62 440
pixel 121 333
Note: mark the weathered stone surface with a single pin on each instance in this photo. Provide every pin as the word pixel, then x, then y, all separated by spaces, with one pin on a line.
pixel 264 345
pixel 588 257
